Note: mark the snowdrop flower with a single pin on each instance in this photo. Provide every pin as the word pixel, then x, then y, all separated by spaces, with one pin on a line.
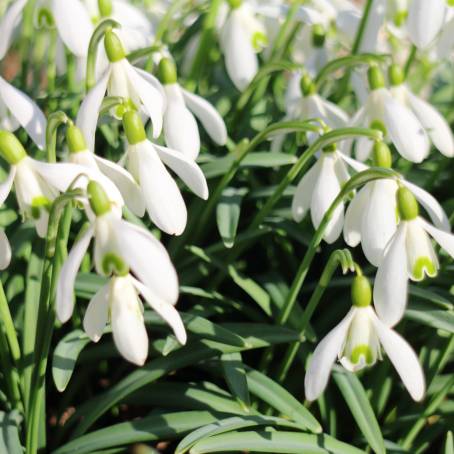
pixel 9 23
pixel 37 183
pixel 371 218
pixel 242 35
pixel 408 254
pixel 180 126
pixel 161 195
pixel 317 191
pixel 119 248
pixel 356 342
pixel 139 89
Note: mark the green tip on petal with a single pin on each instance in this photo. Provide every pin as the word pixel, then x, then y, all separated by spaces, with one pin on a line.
pixel 318 35
pixel 75 139
pixel 39 203
pixel 133 126
pixel 10 148
pixel 396 75
pixel 114 47
pixel 382 155
pixel 105 8
pixel 376 78
pixel 407 204
pixel 113 264
pixel 235 3
pixel 423 265
pixel 307 85
pixel 45 18
pixel 167 71
pixel 400 18
pixel 362 350
pixel 99 202
pixel 450 2
pixel 361 291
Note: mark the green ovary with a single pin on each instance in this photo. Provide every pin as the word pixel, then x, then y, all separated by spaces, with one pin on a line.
pixel 424 264
pixel 362 350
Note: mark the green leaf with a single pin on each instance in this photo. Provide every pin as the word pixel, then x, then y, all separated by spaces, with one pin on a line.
pixel 87 284
pixel 9 433
pixel 228 214
pixel 229 425
pixel 279 398
pixel 65 357
pixel 356 399
pixel 449 444
pixel 235 376
pixel 427 315
pixel 274 442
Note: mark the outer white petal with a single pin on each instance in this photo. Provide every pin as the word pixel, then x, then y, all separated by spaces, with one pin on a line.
pixel 87 118
pixel 181 131
pixel 8 23
pixel 379 220
pixel 406 131
pixel 209 117
pixel 425 19
pixel 186 169
pixel 97 314
pixel 435 125
pixel 151 98
pixel 403 358
pixel 129 189
pixel 148 259
pixel 65 286
pixel 25 111
pixel 74 25
pixel 354 216
pixel 303 194
pixel 444 239
pixel 5 186
pixel 445 42
pixel 374 25
pixel 165 310
pixel 5 250
pixel 334 114
pixel 353 163
pixel 325 354
pixel 391 281
pixel 431 205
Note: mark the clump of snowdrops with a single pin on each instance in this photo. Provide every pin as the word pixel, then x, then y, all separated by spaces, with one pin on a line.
pixel 226 226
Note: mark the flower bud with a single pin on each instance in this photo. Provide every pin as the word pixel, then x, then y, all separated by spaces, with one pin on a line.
pixel 376 78
pixel 167 71
pixel 382 155
pixel 407 204
pixel 361 292
pixel 99 202
pixel 318 35
pixel 133 126
pixel 75 139
pixel 105 8
pixel 307 85
pixel 396 75
pixel 11 149
pixel 114 47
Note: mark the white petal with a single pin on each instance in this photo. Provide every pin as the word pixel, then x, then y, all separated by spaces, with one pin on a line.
pixel 406 131
pixel 354 216
pixel 8 24
pixel 186 169
pixel 5 250
pixel 165 310
pixel 303 194
pixel 65 287
pixel 445 42
pixel 322 360
pixel 403 358
pixel 128 187
pixel 444 239
pixel 391 281
pixel 425 20
pixel 25 111
pixel 74 25
pixel 209 117
pixel 97 314
pixel 5 186
pixel 435 125
pixel 353 163
pixel 87 117
pixel 148 259
pixel 431 205
pixel 180 127
pixel 336 117
pixel 151 98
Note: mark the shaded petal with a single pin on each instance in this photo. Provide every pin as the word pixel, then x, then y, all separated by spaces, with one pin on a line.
pixel 444 239
pixel 353 163
pixel 303 194
pixel 5 250
pixel 354 216
pixel 5 186
pixel 8 24
pixel 97 314
pixel 65 286
pixel 324 356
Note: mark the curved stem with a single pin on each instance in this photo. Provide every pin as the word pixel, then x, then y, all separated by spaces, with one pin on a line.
pixel 55 120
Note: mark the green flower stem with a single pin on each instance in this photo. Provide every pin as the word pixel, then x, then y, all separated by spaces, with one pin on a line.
pixel 51 60
pixel 145 52
pixel 95 39
pixel 362 27
pixel 410 60
pixel 55 120
pixel 163 26
pixel 10 330
pixel 26 44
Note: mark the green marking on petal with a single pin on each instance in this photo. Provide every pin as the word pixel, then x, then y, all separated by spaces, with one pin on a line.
pixel 39 203
pixel 424 266
pixel 362 350
pixel 259 41
pixel 113 264
pixel 400 18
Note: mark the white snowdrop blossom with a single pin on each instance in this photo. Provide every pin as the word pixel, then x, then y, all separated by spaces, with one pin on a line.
pixel 139 89
pixel 409 254
pixel 318 189
pixel 356 342
pixel 121 247
pixel 371 217
pixel 160 193
pixel 182 107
